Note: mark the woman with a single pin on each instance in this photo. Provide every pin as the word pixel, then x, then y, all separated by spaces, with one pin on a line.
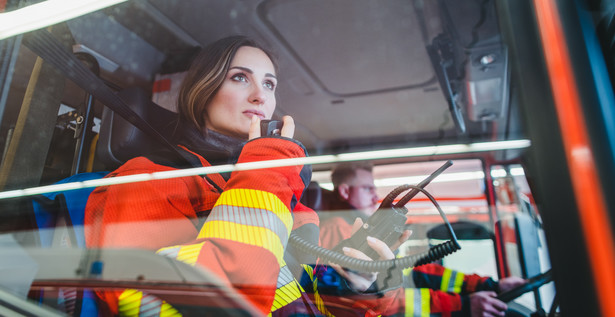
pixel 228 90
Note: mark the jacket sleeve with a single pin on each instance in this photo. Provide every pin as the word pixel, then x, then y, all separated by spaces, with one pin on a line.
pixel 245 236
pixel 438 277
pixel 149 214
pixel 334 297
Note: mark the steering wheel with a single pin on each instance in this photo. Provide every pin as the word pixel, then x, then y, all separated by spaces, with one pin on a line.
pixel 533 283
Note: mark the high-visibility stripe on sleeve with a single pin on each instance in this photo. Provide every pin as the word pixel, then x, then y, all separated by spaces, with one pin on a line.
pixel 185 253
pixel 250 217
pixel 135 303
pixel 320 304
pixel 170 252
pixel 250 235
pixel 451 281
pixel 288 290
pixel 407 271
pixel 458 282
pixel 417 302
pixel 309 270
pixel 129 302
pixel 257 199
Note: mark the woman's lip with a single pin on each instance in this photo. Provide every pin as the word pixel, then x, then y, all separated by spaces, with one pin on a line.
pixel 251 113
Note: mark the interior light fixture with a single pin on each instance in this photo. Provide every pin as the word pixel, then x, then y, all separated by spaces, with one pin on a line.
pixel 45 13
pixel 500 172
pixel 312 160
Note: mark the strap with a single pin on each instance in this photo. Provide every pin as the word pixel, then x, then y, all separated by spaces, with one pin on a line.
pixel 194 160
pixel 47 47
pixel 215 179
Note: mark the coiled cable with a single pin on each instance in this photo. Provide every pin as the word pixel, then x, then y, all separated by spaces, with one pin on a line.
pixel 433 254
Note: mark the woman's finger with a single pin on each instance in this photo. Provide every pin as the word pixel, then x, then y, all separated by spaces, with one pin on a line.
pixel 358 222
pixel 255 128
pixel 404 236
pixel 381 248
pixel 356 254
pixel 288 128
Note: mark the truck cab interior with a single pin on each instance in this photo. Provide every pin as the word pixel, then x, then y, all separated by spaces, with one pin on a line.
pixel 517 94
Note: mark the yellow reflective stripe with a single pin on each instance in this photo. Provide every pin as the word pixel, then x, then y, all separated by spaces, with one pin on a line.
pixel 320 303
pixel 452 281
pixel 185 253
pixel 446 278
pixel 458 282
pixel 129 302
pixel 189 253
pixel 252 198
pixel 167 310
pixel 257 236
pixel 309 270
pixel 417 302
pixel 425 301
pixel 285 295
pixel 409 302
pixel 407 271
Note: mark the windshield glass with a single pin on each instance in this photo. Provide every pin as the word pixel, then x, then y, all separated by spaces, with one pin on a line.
pixel 140 171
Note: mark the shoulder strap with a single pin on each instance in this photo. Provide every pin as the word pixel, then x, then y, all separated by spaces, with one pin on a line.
pixel 193 160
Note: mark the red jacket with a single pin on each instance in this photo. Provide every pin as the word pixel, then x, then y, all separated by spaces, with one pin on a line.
pixel 247 228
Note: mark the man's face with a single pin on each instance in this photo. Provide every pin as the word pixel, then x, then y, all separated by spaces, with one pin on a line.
pixel 361 192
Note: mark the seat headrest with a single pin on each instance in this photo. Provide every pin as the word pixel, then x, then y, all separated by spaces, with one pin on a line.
pixel 316 197
pixel 312 197
pixel 120 141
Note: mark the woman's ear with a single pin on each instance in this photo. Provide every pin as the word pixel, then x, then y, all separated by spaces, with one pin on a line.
pixel 344 191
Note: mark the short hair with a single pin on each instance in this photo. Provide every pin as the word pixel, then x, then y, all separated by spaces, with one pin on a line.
pixel 207 73
pixel 343 172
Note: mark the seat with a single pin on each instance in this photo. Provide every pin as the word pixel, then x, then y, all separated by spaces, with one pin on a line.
pixel 476 242
pixel 59 216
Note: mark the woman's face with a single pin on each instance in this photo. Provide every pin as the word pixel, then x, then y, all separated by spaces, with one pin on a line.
pixel 248 90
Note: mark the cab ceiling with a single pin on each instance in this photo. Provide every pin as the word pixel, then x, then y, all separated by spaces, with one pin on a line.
pixel 353 73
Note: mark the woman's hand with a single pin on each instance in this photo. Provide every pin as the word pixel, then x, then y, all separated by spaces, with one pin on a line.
pixel 288 127
pixel 361 281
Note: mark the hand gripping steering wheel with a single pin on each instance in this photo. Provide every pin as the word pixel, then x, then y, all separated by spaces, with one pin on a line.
pixel 533 284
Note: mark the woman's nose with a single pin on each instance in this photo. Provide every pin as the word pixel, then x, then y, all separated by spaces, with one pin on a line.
pixel 258 96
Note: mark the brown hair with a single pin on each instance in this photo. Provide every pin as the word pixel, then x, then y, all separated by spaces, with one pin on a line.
pixel 345 171
pixel 207 73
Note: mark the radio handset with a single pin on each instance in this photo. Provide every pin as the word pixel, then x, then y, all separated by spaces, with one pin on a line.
pixel 389 221
pixel 271 127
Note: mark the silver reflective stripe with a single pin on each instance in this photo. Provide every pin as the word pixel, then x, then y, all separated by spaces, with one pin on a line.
pixel 250 216
pixel 451 281
pixel 285 276
pixel 170 252
pixel 150 306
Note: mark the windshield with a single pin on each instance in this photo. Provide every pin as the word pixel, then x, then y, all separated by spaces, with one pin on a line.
pixel 138 173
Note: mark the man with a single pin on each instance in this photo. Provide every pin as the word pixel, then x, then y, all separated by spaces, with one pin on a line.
pixel 447 291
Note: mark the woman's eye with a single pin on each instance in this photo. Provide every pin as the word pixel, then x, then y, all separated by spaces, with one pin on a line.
pixel 269 85
pixel 240 77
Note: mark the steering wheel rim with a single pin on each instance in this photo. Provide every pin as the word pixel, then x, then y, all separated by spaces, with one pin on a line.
pixel 534 283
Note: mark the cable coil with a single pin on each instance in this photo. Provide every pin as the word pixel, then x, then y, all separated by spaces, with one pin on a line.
pixel 433 254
